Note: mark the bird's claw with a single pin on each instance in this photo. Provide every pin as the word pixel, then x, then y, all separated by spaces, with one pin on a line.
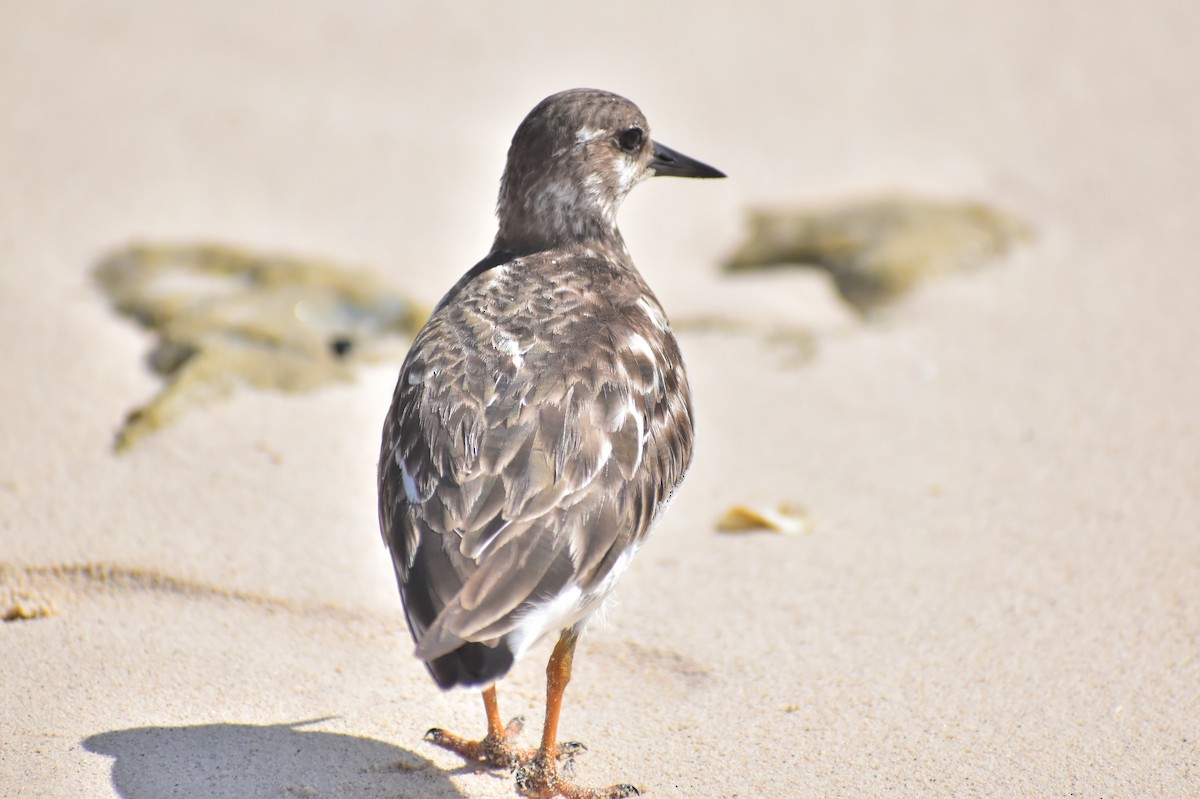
pixel 567 750
pixel 495 751
pixel 540 778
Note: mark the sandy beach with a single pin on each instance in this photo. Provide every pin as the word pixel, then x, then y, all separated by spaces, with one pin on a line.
pixel 999 595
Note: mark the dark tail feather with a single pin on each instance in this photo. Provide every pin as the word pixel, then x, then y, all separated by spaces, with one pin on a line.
pixel 472 665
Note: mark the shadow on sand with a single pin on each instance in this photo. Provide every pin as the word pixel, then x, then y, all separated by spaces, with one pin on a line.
pixel 236 761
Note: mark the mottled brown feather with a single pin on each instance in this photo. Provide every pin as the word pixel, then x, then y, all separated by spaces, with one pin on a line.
pixel 542 417
pixel 551 446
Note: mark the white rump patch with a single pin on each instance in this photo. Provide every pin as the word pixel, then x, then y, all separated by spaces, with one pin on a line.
pixel 600 596
pixel 567 608
pixel 547 617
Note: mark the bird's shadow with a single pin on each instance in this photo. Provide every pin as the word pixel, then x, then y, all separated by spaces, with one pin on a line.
pixel 235 761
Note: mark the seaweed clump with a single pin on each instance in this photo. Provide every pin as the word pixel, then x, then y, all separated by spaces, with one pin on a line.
pixel 226 317
pixel 877 249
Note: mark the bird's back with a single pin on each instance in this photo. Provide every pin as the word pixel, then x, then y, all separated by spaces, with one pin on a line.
pixel 541 420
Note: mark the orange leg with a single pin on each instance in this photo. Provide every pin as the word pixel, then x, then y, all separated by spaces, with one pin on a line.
pixel 494 749
pixel 496 728
pixel 538 778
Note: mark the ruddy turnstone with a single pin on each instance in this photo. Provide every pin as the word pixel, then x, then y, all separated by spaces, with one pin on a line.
pixel 540 424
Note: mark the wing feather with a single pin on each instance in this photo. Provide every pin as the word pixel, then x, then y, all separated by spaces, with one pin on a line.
pixel 532 463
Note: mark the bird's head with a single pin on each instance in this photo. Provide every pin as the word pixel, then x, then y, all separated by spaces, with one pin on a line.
pixel 571 163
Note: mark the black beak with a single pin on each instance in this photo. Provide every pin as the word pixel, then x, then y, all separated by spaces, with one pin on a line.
pixel 668 162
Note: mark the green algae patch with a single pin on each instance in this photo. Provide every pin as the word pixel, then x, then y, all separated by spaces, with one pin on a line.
pixel 877 249
pixel 226 318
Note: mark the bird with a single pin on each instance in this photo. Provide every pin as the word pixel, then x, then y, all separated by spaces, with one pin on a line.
pixel 540 425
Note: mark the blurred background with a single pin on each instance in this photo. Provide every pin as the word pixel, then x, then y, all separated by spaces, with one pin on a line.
pixel 998 591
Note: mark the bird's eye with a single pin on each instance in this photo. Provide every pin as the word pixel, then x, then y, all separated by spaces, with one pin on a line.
pixel 630 139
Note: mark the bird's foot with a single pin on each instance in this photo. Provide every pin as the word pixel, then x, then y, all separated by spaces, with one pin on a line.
pixel 498 751
pixel 538 778
pixel 494 750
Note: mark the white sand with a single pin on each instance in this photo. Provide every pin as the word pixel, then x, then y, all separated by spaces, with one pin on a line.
pixel 1002 597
